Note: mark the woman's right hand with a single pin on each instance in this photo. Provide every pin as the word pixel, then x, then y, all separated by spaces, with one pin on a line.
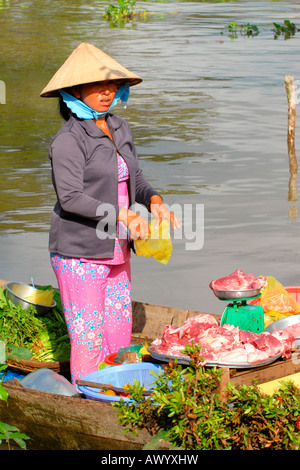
pixel 137 225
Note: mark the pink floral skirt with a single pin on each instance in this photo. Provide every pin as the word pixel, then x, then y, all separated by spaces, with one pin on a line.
pixel 96 299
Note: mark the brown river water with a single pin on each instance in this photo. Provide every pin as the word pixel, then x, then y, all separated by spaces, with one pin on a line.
pixel 210 126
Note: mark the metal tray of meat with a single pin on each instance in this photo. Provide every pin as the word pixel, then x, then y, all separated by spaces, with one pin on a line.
pixel 185 360
pixel 236 294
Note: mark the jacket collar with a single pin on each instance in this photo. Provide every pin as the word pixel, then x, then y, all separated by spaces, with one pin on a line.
pixel 113 121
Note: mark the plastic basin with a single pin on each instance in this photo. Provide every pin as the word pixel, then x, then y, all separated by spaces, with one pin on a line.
pixel 119 376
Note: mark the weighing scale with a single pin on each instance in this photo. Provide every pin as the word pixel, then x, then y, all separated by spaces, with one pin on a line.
pixel 239 312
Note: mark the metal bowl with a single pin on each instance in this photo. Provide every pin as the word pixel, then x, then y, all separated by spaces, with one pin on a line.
pixel 236 294
pixel 283 323
pixel 17 291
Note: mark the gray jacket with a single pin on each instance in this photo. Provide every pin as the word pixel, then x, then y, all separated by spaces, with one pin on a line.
pixel 85 178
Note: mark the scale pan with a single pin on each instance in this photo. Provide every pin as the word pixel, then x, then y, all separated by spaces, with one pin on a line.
pixel 236 294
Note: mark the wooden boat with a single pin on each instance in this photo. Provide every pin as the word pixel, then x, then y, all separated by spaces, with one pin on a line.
pixel 57 422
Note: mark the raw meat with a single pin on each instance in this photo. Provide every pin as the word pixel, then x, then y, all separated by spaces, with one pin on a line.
pixel 293 330
pixel 175 338
pixel 196 325
pixel 287 339
pixel 267 342
pixel 238 281
pixel 235 355
pixel 273 343
pixel 255 355
pixel 223 344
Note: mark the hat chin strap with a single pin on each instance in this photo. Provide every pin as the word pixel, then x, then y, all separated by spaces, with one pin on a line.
pixel 83 111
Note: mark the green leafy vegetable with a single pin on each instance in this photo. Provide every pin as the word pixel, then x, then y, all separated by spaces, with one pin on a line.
pixel 12 433
pixel 28 335
pixel 189 409
pixel 2 352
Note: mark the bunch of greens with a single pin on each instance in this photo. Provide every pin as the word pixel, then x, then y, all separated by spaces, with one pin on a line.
pixel 28 335
pixel 287 29
pixel 244 29
pixel 122 13
pixel 189 410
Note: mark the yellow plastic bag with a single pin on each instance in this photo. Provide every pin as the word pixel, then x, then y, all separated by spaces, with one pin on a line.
pixel 276 301
pixel 144 349
pixel 158 245
pixel 272 315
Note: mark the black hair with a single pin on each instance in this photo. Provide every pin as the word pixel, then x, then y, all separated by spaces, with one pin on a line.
pixel 64 111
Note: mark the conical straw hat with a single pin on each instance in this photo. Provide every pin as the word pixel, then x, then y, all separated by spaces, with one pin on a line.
pixel 87 64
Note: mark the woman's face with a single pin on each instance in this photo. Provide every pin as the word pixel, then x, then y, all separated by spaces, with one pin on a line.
pixel 98 96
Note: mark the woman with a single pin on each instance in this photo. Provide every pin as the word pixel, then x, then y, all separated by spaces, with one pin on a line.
pixel 97 178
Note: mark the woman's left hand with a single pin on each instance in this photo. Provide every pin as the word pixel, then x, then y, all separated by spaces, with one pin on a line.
pixel 160 212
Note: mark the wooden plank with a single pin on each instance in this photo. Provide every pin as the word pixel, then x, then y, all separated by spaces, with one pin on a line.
pixel 149 320
pixel 276 370
pixel 57 422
